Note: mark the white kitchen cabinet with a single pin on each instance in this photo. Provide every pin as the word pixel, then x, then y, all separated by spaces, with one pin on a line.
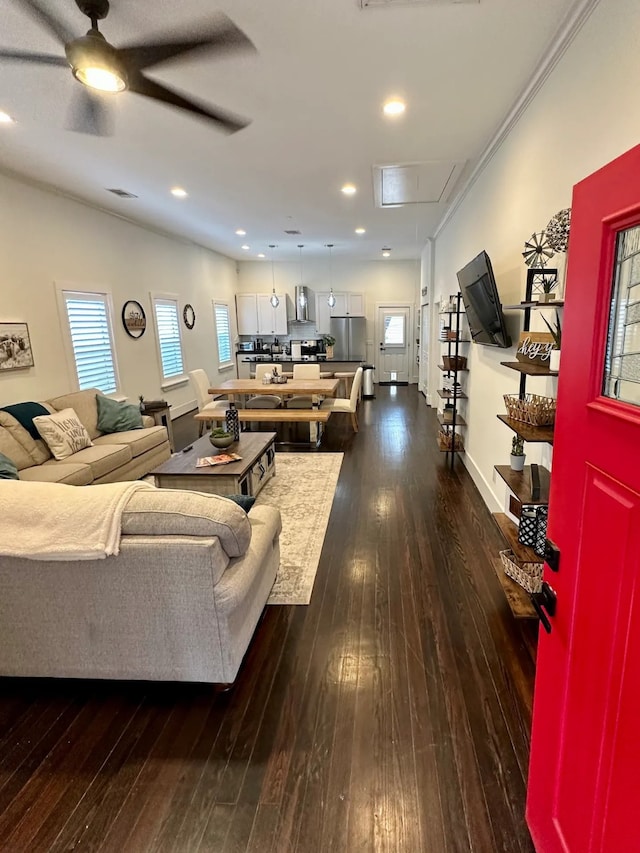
pixel 323 313
pixel 257 316
pixel 247 314
pixel 272 321
pixel 347 305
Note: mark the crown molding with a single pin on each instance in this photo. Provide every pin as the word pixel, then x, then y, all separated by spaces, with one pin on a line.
pixel 570 27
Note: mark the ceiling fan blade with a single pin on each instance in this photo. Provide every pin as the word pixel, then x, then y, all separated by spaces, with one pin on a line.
pixel 219 37
pixel 41 58
pixel 90 113
pixel 150 89
pixel 54 25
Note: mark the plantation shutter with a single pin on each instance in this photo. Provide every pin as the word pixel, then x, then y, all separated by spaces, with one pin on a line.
pixel 168 327
pixel 223 332
pixel 90 328
pixel 394 330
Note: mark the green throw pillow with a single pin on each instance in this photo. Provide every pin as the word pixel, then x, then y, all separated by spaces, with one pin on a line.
pixel 244 501
pixel 8 470
pixel 117 417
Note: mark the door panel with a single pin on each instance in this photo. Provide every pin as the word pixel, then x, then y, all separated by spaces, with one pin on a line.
pixel 393 330
pixel 583 773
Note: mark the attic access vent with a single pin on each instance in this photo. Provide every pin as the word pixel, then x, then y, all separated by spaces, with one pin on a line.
pixel 415 183
pixel 121 193
pixel 367 4
pixel 292 233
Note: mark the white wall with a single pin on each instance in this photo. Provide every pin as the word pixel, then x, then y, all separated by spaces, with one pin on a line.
pixel 48 238
pixel 385 281
pixel 584 116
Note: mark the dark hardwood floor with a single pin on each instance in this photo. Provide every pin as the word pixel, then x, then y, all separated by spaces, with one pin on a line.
pixel 391 714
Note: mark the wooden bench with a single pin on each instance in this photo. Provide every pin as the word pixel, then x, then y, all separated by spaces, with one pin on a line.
pixel 310 416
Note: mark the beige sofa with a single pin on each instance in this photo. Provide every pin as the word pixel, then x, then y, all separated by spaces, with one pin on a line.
pixel 113 458
pixel 180 602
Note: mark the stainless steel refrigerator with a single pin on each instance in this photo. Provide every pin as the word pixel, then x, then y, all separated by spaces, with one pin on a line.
pixel 350 335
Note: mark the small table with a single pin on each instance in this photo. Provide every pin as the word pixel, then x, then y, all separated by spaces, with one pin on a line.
pixel 162 417
pixel 245 477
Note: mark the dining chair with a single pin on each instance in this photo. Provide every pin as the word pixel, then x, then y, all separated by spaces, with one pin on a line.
pixel 348 406
pixel 200 383
pixel 303 371
pixel 265 401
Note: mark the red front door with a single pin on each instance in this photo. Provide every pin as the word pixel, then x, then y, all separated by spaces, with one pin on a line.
pixel 584 775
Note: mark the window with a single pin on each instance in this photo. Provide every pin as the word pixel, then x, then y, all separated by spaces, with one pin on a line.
pixel 394 330
pixel 223 332
pixel 89 317
pixel 169 341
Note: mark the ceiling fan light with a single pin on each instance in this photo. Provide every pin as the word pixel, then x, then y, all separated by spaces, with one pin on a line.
pixel 95 63
pixel 102 79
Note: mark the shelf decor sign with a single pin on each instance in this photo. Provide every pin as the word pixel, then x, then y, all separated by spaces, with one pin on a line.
pixel 535 348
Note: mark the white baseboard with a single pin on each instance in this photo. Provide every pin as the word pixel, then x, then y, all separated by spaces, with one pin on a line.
pixel 483 486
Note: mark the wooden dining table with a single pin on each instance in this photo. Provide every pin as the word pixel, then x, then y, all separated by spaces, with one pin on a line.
pixel 233 388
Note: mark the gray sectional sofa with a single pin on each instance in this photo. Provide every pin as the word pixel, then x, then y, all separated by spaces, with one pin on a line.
pixel 180 602
pixel 113 458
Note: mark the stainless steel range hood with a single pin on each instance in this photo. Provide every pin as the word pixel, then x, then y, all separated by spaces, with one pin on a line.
pixel 302 304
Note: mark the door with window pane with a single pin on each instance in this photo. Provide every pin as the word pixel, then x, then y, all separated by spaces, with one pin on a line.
pixel 394 343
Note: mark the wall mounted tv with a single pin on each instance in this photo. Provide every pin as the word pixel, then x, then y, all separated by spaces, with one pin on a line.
pixel 482 303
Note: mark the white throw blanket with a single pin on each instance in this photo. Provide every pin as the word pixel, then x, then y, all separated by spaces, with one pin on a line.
pixel 53 521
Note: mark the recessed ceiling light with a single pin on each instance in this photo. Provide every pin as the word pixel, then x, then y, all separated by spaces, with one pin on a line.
pixel 245 247
pixel 348 189
pixel 240 232
pixel 178 192
pixel 5 118
pixel 262 255
pixel 386 253
pixel 361 230
pixel 394 107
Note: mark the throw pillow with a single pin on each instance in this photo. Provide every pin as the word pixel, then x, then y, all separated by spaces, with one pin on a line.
pixel 24 413
pixel 244 501
pixel 8 470
pixel 63 433
pixel 117 417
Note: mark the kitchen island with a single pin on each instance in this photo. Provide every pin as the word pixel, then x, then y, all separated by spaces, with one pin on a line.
pixel 247 361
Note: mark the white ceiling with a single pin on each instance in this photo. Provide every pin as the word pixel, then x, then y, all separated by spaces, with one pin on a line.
pixel 314 91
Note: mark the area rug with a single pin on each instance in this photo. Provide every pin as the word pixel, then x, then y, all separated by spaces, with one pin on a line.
pixel 303 491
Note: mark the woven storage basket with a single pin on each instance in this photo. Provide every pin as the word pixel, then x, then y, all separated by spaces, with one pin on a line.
pixel 528 575
pixel 446 439
pixel 454 362
pixel 533 409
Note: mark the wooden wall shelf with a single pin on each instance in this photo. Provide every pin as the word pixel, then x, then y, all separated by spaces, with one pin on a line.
pixel 460 421
pixel 517 597
pixel 529 369
pixel 524 306
pixel 448 395
pixel 510 532
pixel 519 482
pixel 452 369
pixel 529 432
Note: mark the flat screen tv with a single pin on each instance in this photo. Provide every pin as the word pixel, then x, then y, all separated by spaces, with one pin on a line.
pixel 482 303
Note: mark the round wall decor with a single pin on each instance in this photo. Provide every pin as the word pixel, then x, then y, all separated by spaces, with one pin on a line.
pixel 134 319
pixel 189 316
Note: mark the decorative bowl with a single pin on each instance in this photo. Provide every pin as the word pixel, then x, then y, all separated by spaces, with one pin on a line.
pixel 221 440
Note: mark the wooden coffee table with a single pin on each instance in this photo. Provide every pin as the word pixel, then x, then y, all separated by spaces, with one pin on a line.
pixel 246 477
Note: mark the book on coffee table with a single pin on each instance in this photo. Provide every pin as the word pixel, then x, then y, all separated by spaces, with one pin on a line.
pixel 221 459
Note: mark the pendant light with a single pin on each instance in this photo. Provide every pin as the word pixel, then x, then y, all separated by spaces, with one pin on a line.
pixel 302 293
pixel 331 301
pixel 274 297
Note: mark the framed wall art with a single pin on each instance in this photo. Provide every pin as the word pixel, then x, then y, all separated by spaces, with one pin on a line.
pixel 134 319
pixel 189 316
pixel 15 346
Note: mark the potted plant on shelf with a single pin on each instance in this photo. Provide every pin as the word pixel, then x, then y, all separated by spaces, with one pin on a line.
pixel 556 334
pixel 517 453
pixel 329 343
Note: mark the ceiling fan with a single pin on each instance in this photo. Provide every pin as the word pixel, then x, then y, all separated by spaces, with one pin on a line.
pixel 104 68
